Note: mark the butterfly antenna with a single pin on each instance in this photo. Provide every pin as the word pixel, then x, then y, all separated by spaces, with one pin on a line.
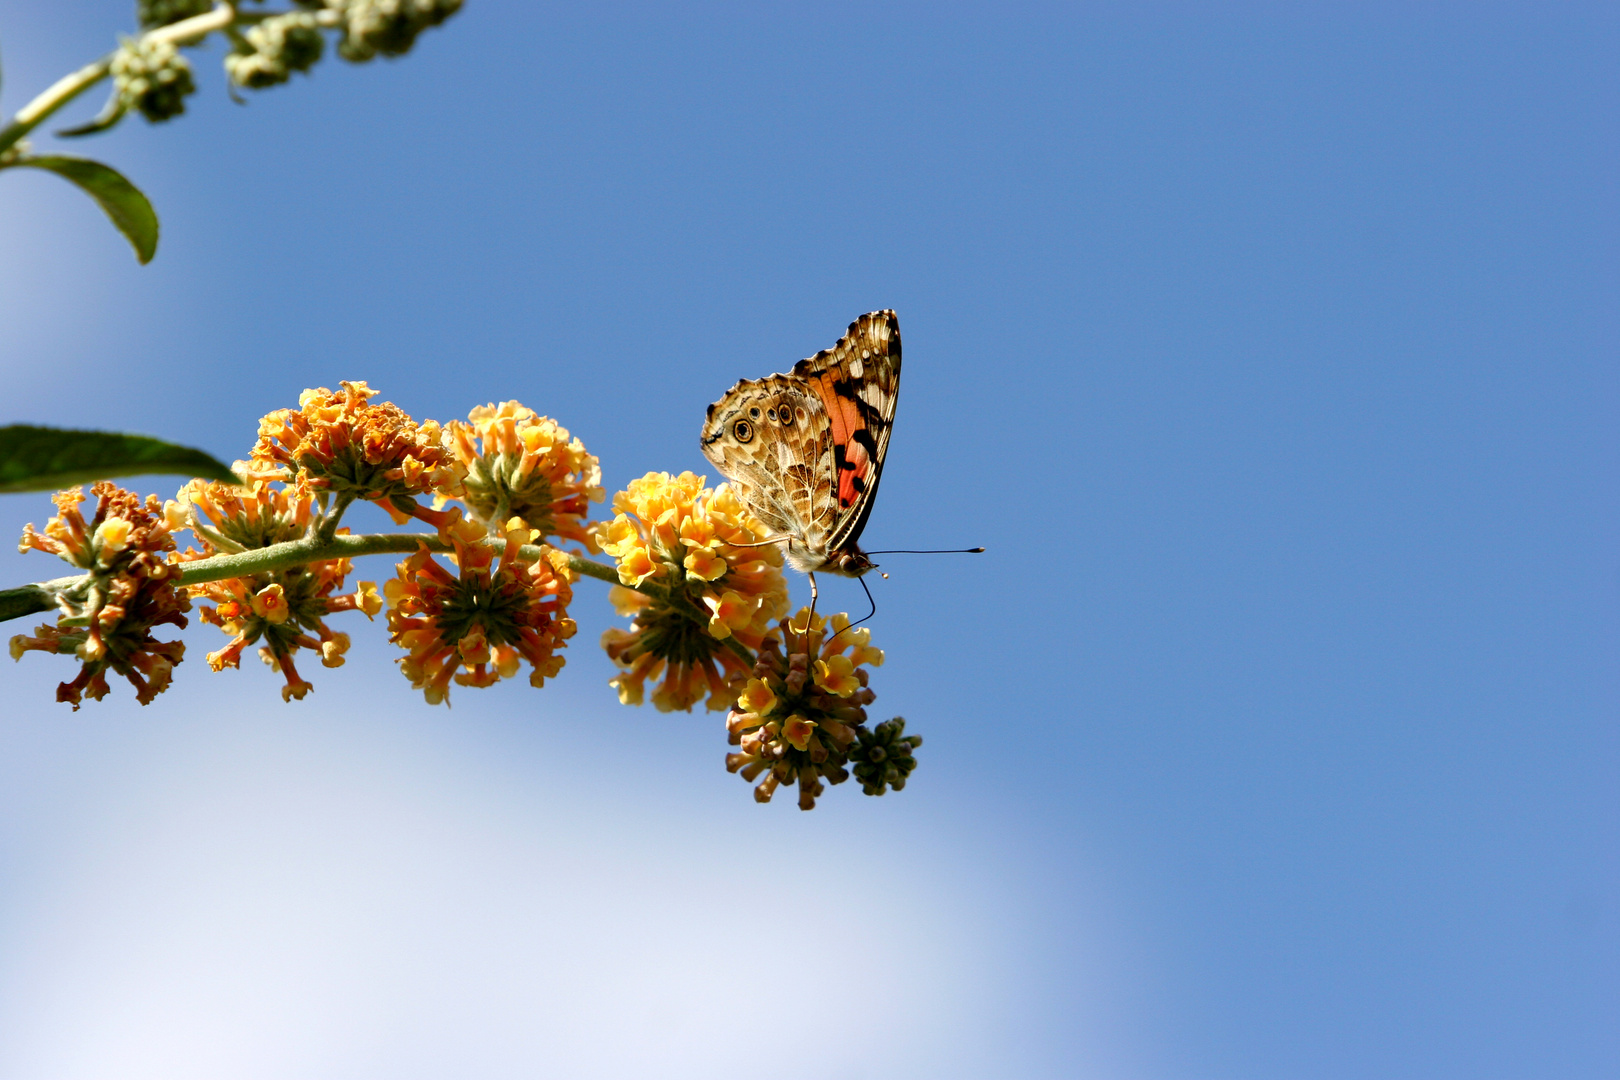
pixel 948 551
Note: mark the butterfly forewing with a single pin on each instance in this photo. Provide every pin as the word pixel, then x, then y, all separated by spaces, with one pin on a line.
pixel 858 380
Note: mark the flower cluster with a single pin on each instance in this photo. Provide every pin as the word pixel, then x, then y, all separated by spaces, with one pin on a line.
pixel 477 625
pixel 286 609
pixel 701 577
pixel 151 77
pixel 128 589
pixel 884 757
pixel 802 711
pixel 508 461
pixel 343 444
pixel 270 52
pixel 388 27
pixel 481 596
pixel 154 13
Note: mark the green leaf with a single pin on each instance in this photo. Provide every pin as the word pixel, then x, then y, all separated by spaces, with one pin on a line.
pixel 44 459
pixel 129 209
pixel 110 114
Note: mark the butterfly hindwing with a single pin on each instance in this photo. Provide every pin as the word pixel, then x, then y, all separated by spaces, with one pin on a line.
pixel 805 449
pixel 771 437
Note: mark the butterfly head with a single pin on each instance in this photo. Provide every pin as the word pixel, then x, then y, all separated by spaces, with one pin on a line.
pixel 849 561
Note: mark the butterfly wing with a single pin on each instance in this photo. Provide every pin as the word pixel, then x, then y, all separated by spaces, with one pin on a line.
pixel 805 450
pixel 772 439
pixel 858 381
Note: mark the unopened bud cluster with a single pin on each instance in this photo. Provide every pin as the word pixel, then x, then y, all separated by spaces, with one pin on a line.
pixel 271 51
pixel 152 14
pixel 388 27
pixel 151 77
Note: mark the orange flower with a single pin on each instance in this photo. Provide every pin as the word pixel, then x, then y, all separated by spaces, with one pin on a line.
pixel 507 461
pixel 285 609
pixel 476 626
pixel 342 443
pixel 128 589
pixel 689 550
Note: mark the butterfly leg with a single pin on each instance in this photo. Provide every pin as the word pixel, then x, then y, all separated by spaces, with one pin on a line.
pixel 810 623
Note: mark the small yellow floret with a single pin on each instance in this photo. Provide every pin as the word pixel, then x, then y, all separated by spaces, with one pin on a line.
pixel 836 675
pixel 757 697
pixel 270 604
pixel 797 731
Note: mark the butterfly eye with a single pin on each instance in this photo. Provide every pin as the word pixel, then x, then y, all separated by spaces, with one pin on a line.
pixel 785 415
pixel 754 412
pixel 742 431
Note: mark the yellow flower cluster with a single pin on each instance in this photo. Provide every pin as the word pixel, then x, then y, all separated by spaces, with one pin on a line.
pixel 342 443
pixel 507 461
pixel 700 577
pixel 128 589
pixel 477 625
pixel 802 711
pixel 283 608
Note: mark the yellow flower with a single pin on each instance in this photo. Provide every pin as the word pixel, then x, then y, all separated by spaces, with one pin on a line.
pixel 796 731
pixel 287 609
pixel 128 590
pixel 690 551
pixel 112 535
pixel 637 565
pixel 799 717
pixel 728 612
pixel 475 626
pixel 507 461
pixel 704 565
pixel 837 675
pixel 270 604
pixel 756 697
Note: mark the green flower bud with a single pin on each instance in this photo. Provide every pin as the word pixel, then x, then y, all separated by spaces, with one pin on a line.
pixel 883 757
pixel 275 49
pixel 154 13
pixel 387 26
pixel 152 77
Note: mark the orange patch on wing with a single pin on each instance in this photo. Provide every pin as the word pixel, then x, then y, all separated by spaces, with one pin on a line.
pixel 845 416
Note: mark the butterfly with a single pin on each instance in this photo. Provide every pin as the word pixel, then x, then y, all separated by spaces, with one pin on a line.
pixel 805 449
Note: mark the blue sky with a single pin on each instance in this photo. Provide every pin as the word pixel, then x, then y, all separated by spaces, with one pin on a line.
pixel 1270 351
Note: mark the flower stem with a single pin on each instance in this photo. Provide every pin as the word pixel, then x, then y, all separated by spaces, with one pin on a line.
pixel 68 87
pixel 41 596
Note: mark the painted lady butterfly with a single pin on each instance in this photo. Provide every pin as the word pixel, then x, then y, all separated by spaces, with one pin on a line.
pixel 805 450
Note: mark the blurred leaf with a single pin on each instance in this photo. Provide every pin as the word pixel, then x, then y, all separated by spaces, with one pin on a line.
pixel 110 114
pixel 44 459
pixel 129 209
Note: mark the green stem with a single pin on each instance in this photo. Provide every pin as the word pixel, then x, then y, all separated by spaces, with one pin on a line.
pixel 41 596
pixel 68 87
pixel 326 528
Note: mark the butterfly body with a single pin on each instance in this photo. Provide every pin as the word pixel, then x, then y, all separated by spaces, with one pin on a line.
pixel 805 449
